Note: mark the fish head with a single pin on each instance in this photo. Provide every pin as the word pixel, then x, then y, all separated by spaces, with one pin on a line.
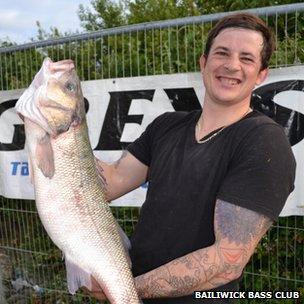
pixel 61 101
pixel 54 99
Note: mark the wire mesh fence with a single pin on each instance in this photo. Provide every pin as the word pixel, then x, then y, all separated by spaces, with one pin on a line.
pixel 37 270
pixel 148 49
pixel 33 267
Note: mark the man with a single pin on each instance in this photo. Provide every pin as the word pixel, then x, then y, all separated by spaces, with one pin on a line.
pixel 218 178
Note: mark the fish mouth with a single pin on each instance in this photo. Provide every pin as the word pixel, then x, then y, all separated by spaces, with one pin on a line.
pixel 59 118
pixel 57 106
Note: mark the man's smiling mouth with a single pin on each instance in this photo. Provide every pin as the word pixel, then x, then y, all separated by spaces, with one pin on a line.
pixel 228 80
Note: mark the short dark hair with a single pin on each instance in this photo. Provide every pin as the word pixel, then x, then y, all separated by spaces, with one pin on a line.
pixel 246 21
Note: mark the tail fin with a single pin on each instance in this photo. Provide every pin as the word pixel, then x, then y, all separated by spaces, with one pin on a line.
pixel 76 276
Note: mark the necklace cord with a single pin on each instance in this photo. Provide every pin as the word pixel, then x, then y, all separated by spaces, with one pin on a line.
pixel 198 128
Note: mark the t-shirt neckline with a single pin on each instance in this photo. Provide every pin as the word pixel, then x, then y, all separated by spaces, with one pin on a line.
pixel 193 128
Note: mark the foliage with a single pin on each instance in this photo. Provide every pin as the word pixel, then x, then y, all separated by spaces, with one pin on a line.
pixel 110 13
pixel 152 10
pixel 107 14
pixel 43 34
pixel 6 42
pixel 213 6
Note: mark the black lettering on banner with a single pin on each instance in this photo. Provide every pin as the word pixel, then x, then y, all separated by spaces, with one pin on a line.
pixel 18 136
pixel 117 116
pixel 183 99
pixel 18 140
pixel 86 104
pixel 292 121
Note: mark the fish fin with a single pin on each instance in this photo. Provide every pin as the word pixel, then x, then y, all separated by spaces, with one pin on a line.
pixel 76 276
pixel 45 156
pixel 125 240
pixel 31 171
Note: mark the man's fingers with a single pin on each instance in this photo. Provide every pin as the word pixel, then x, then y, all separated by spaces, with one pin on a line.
pixel 63 65
pixel 84 289
pixel 96 291
pixel 95 286
pixel 96 295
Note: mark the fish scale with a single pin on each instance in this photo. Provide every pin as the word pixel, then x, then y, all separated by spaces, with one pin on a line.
pixel 74 211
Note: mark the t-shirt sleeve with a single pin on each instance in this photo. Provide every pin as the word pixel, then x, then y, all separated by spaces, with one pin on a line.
pixel 141 148
pixel 262 171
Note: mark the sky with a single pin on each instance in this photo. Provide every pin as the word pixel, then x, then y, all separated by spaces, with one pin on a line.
pixel 18 17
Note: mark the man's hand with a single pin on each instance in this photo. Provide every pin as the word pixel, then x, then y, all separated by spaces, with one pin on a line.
pixel 96 291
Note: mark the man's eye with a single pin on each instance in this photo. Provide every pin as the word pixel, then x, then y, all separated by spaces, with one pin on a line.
pixel 247 59
pixel 221 53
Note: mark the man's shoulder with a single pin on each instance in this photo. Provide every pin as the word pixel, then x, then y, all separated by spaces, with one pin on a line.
pixel 259 130
pixel 257 122
pixel 171 118
pixel 258 119
pixel 177 115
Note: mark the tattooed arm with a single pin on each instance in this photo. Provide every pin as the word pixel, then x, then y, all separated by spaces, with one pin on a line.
pixel 237 232
pixel 122 176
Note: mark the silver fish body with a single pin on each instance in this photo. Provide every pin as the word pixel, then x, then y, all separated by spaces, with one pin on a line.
pixel 74 212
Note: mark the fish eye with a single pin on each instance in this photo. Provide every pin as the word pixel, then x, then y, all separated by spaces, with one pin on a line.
pixel 71 87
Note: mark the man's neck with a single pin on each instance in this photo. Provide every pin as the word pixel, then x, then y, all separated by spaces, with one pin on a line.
pixel 215 116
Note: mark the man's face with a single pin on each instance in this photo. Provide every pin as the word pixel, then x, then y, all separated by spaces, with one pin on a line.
pixel 232 68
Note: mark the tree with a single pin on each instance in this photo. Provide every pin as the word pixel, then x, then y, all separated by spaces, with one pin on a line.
pixel 107 14
pixel 6 42
pixel 153 10
pixel 110 13
pixel 214 6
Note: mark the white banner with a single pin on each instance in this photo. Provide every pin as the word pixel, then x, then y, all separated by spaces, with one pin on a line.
pixel 120 109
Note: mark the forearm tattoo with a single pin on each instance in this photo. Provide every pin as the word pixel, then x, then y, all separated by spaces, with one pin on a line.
pixel 237 230
pixel 123 155
pixel 100 171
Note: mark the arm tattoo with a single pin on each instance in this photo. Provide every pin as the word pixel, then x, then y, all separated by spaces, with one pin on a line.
pixel 102 176
pixel 237 230
pixel 123 155
pixel 237 224
pixel 174 279
pixel 100 171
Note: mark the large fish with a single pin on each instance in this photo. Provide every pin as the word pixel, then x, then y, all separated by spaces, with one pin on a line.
pixel 68 191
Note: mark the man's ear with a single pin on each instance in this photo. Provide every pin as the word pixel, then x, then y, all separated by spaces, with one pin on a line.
pixel 202 62
pixel 263 74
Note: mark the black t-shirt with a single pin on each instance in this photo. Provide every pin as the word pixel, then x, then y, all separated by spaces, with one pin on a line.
pixel 249 164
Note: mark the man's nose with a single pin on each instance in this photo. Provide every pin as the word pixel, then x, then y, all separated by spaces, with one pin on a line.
pixel 232 63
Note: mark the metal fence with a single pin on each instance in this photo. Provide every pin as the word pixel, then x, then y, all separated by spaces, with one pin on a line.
pixel 33 267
